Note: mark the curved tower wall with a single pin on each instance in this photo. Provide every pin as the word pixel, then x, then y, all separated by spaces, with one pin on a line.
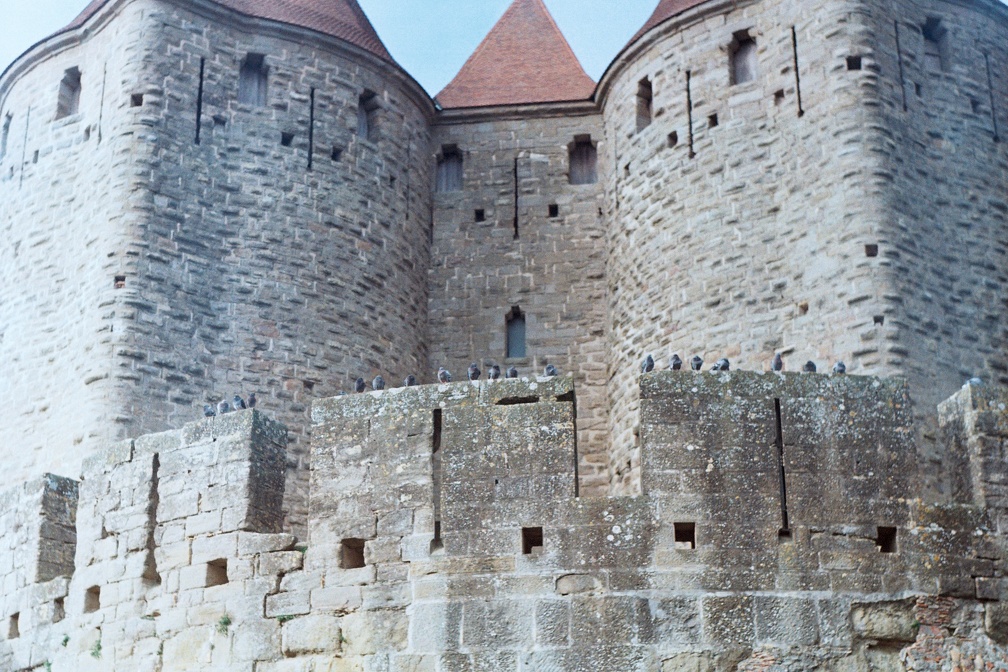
pixel 762 240
pixel 246 270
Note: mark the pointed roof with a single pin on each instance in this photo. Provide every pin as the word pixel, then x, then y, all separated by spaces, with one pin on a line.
pixel 666 10
pixel 524 59
pixel 343 19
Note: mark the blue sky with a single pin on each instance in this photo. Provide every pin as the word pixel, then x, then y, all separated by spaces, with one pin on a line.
pixel 430 38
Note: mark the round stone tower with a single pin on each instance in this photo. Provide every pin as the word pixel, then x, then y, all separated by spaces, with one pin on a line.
pixel 201 199
pixel 825 180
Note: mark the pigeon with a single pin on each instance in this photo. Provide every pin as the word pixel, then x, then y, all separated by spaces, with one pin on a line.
pixel 696 363
pixel 494 372
pixel 238 403
pixel 378 383
pixel 223 407
pixel 840 368
pixel 252 400
pixel 778 363
pixel 975 382
pixel 474 372
pixel 359 385
pixel 443 375
pixel 410 381
pixel 648 365
pixel 208 411
pixel 512 372
pixel 723 364
pixel 676 363
pixel 551 371
pixel 809 367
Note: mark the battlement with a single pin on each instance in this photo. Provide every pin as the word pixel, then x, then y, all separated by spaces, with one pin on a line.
pixel 779 520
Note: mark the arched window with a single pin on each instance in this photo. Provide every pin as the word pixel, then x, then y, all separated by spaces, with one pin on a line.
pixel 252 80
pixel 68 102
pixel 367 116
pixel 742 58
pixel 515 333
pixel 583 157
pixel 935 45
pixel 449 169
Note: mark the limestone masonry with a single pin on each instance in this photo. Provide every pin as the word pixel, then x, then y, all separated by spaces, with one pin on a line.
pixel 204 197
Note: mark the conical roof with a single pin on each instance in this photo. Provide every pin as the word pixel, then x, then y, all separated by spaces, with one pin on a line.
pixel 666 10
pixel 524 59
pixel 343 19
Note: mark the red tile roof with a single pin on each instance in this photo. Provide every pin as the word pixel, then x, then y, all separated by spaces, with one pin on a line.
pixel 339 18
pixel 666 10
pixel 524 59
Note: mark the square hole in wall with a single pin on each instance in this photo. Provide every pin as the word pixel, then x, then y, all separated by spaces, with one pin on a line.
pixel 59 611
pixel 136 100
pixel 35 156
pixel 712 120
pixel 13 626
pixel 532 539
pixel 286 139
pixel 784 536
pixel 337 153
pixel 480 215
pixel 119 282
pixel 871 250
pixel 87 134
pixel 879 320
pixel 437 544
pixel 685 536
pixel 216 573
pixel 974 105
pixel 778 96
pixel 352 553
pixel 673 139
pixel 92 599
pixel 918 89
pixel 886 539
pixel 803 308
pixel 853 62
pixel 554 210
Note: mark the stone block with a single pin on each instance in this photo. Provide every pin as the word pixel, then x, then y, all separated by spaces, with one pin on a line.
pixel 311 634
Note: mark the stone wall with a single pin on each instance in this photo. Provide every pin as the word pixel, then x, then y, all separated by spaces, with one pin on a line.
pixel 553 270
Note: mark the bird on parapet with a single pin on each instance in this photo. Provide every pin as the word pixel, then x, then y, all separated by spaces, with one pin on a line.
pixel 223 407
pixel 252 400
pixel 238 403
pixel 778 363
pixel 208 411
pixel 410 381
pixel 474 372
pixel 696 363
pixel 512 372
pixel 551 371
pixel 676 363
pixel 359 385
pixel 444 375
pixel 840 368
pixel 647 366
pixel 809 367
pixel 494 373
pixel 378 383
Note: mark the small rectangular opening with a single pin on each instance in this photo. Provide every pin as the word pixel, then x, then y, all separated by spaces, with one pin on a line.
pixel 918 89
pixel 803 308
pixel 516 401
pixel 35 156
pixel 352 553
pixel 136 100
pixel 337 153
pixel 286 139
pixel 871 250
pixel 92 599
pixel 13 626
pixel 784 536
pixel 673 139
pixel 532 539
pixel 712 120
pixel 879 320
pixel 59 610
pixel 778 96
pixel 853 62
pixel 974 105
pixel 119 282
pixel 480 215
pixel 886 540
pixel 554 210
pixel 645 97
pixel 436 439
pixel 685 536
pixel 217 574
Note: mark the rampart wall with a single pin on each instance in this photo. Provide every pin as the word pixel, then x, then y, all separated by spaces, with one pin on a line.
pixel 446 534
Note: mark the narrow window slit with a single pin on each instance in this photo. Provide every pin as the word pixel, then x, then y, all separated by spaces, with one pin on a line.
pixel 199 100
pixel 782 476
pixel 685 536
pixel 515 178
pixel 899 60
pixel 437 543
pixel 14 626
pixel 517 401
pixel 645 101
pixel 352 553
pixel 797 70
pixel 532 540
pixel 59 610
pixel 367 116
pixel 990 90
pixel 689 110
pixel 311 128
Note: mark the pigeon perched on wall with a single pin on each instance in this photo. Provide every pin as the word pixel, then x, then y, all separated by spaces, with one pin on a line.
pixel 443 375
pixel 696 363
pixel 512 372
pixel 975 382
pixel 723 364
pixel 223 407
pixel 551 371
pixel 359 385
pixel 840 368
pixel 474 372
pixel 676 363
pixel 648 365
pixel 778 363
pixel 410 381
pixel 208 411
pixel 252 400
pixel 238 403
pixel 809 367
pixel 494 373
pixel 378 383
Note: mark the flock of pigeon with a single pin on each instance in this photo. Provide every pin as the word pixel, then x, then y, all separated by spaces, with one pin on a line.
pixel 723 364
pixel 444 376
pixel 223 407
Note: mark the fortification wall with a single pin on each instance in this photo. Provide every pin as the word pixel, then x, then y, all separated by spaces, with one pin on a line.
pixel 552 268
pixel 446 535
pixel 786 226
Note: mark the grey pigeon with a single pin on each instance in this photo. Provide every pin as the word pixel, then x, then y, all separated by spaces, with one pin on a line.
pixel 975 382
pixel 474 372
pixel 208 411
pixel 551 371
pixel 512 372
pixel 723 364
pixel 378 383
pixel 443 375
pixel 252 400
pixel 410 381
pixel 359 385
pixel 696 363
pixel 676 363
pixel 778 363
pixel 840 368
pixel 809 367
pixel 494 372
pixel 648 365
pixel 223 407
pixel 238 403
